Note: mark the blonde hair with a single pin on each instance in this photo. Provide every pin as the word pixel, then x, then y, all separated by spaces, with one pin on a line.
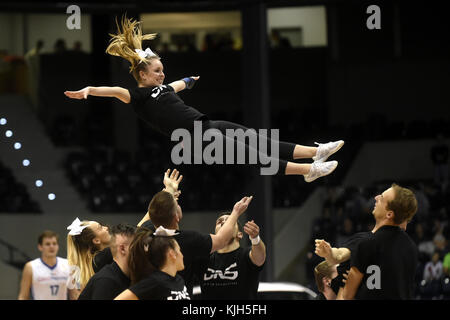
pixel 128 38
pixel 322 270
pixel 81 251
pixel 404 204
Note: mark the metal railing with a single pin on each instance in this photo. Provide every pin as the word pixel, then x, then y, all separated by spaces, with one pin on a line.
pixel 13 253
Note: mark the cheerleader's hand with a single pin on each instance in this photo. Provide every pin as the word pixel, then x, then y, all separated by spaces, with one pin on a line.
pixel 252 229
pixel 172 180
pixel 242 205
pixel 190 81
pixel 80 94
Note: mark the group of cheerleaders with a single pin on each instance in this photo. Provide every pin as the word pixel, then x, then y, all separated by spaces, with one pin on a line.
pixel 161 108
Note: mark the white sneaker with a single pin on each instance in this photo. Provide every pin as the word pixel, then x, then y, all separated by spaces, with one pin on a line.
pixel 320 169
pixel 327 149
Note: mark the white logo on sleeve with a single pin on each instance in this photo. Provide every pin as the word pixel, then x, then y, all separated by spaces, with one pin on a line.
pixel 156 91
pixel 226 275
pixel 179 295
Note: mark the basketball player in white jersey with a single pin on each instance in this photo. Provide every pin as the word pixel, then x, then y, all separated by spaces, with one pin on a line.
pixel 45 278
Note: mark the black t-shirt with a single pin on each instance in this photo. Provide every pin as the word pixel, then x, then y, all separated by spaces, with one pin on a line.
pixel 101 259
pixel 194 246
pixel 231 275
pixel 163 109
pixel 161 286
pixel 106 284
pixel 393 256
pixel 351 244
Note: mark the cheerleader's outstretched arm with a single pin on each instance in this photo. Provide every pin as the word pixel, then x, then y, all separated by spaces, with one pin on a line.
pixel 116 92
pixel 186 83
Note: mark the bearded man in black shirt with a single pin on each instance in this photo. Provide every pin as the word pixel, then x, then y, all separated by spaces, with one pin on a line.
pixel 233 271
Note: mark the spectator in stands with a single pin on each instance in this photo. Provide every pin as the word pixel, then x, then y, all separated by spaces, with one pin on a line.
pixel 35 51
pixel 60 46
pixel 164 48
pixel 347 230
pixel 335 204
pixel 33 64
pixel 279 42
pixel 323 227
pixel 237 43
pixel 4 64
pixel 423 209
pixel 208 43
pixel 78 47
pixel 355 203
pixel 423 241
pixel 446 265
pixel 439 157
pixel 225 43
pixel 433 269
pixel 439 241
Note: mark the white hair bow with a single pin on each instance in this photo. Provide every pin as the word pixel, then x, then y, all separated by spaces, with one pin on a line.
pixel 163 232
pixel 145 54
pixel 76 228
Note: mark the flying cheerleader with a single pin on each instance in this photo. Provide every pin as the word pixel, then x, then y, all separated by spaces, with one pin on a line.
pixel 162 109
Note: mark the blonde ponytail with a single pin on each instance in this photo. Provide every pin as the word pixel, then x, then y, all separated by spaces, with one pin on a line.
pixel 80 253
pixel 129 37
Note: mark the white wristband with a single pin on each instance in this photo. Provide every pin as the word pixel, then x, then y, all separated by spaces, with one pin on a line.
pixel 255 241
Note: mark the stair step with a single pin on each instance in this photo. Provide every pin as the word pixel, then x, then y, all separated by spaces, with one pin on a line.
pixel 46 160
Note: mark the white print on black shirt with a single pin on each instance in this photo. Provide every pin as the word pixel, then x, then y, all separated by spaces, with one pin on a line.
pixel 227 275
pixel 374 280
pixel 157 90
pixel 179 295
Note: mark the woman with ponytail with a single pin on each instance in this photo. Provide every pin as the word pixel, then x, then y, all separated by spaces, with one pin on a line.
pixel 154 261
pixel 87 247
pixel 160 107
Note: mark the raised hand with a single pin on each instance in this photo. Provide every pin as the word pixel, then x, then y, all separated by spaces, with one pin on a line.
pixel 80 94
pixel 323 248
pixel 242 205
pixel 172 181
pixel 252 229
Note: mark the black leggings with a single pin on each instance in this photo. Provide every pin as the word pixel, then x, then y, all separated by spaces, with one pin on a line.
pixel 285 149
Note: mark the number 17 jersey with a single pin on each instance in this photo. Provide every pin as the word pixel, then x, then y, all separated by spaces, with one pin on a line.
pixel 49 283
